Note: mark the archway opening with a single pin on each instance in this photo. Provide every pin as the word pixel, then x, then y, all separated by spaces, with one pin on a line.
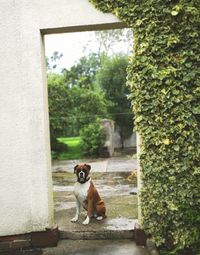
pixel 82 92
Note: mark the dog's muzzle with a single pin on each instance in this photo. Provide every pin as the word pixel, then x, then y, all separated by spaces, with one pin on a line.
pixel 81 177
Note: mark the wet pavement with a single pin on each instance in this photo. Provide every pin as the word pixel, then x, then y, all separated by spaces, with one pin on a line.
pixel 88 247
pixel 97 247
pixel 115 179
pixel 114 164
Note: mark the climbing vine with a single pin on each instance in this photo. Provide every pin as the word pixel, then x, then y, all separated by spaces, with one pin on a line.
pixel 164 78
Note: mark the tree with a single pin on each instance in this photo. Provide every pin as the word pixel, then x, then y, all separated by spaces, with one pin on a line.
pixel 59 107
pixel 72 108
pixel 86 107
pixel 93 138
pixel 112 79
pixel 52 63
pixel 109 41
pixel 94 86
pixel 82 74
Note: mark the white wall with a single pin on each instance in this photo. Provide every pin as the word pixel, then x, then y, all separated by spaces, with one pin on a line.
pixel 26 202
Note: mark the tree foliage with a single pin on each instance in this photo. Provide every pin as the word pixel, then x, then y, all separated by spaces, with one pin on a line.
pixel 59 106
pixel 93 86
pixel 60 102
pixel 164 78
pixel 87 106
pixel 112 79
pixel 82 74
pixel 109 40
pixel 52 63
pixel 72 108
pixel 93 138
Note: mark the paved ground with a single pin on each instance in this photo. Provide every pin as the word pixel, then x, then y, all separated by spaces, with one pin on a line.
pixel 114 164
pixel 115 183
pixel 97 247
pixel 91 247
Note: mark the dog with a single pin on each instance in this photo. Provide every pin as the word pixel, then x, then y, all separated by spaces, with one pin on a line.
pixel 87 195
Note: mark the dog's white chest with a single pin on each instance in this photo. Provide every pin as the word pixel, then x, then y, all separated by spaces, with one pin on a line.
pixel 81 191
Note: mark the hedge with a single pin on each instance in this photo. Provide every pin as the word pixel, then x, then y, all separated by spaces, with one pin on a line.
pixel 164 78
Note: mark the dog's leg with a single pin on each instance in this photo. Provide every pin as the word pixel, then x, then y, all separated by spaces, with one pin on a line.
pixel 101 210
pixel 99 218
pixel 90 211
pixel 78 205
pixel 86 221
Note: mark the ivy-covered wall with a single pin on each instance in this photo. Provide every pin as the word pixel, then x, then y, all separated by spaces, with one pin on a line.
pixel 164 77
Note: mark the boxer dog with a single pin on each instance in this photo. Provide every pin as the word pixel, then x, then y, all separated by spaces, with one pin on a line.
pixel 87 195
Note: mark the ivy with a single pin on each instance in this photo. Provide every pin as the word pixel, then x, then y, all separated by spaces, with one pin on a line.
pixel 163 75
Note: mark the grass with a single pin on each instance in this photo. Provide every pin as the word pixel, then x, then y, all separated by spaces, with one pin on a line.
pixel 74 148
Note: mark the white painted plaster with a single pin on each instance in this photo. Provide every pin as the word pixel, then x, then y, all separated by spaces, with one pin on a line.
pixel 26 202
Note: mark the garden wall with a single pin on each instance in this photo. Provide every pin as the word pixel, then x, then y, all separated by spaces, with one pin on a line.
pixel 25 179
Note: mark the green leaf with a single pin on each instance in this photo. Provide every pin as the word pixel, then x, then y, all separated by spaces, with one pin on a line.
pixel 174 13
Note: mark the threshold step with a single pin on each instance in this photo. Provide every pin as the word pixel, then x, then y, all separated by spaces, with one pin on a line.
pixel 97 235
pixel 118 228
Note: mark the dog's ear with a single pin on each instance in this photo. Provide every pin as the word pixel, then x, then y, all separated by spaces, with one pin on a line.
pixel 88 167
pixel 75 169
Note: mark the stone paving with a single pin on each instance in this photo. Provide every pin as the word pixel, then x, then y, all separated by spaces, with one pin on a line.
pixel 88 247
pixel 112 179
pixel 96 247
pixel 114 164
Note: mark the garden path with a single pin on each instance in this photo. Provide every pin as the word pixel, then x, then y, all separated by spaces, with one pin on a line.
pixel 115 183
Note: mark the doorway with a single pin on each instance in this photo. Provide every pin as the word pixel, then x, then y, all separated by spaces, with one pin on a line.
pixel 113 171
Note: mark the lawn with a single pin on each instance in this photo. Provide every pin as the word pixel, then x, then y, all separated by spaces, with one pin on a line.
pixel 74 148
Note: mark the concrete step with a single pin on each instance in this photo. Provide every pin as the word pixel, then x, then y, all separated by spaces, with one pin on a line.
pixel 97 234
pixel 117 228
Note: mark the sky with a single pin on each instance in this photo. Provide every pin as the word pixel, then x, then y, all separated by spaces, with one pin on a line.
pixel 73 46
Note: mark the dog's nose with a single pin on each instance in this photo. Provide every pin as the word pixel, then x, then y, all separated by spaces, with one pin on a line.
pixel 81 174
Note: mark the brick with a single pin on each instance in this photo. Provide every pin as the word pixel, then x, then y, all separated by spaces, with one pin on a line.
pixel 18 244
pixel 48 238
pixel 140 236
pixel 5 246
pixel 15 237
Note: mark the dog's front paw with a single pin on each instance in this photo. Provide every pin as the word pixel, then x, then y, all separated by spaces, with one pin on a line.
pixel 74 219
pixel 86 221
pixel 99 218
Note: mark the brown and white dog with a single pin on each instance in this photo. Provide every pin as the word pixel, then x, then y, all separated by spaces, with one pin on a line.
pixel 87 195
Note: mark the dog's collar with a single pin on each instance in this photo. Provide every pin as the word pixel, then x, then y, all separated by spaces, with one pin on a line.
pixel 86 180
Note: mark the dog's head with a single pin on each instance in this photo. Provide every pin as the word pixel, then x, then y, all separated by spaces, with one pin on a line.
pixel 83 172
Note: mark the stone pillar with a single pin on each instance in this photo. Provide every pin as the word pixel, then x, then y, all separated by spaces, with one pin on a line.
pixel 108 127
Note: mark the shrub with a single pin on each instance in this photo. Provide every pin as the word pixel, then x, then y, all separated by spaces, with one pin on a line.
pixel 57 147
pixel 93 139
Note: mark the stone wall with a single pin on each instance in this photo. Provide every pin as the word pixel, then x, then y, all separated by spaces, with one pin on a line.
pixel 113 140
pixel 108 127
pixel 128 143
